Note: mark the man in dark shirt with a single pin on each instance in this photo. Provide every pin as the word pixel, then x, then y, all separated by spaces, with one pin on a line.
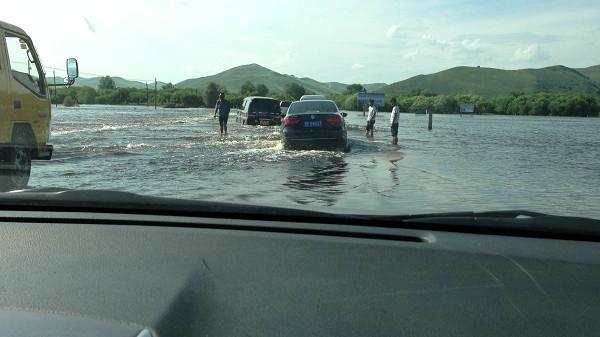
pixel 222 108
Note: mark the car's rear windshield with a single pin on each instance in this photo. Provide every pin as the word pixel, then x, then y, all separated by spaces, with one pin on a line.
pixel 264 105
pixel 311 97
pixel 312 106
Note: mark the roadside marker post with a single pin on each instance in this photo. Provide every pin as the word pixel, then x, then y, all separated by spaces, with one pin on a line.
pixel 430 124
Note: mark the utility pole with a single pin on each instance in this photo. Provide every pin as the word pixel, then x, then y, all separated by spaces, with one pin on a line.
pixel 155 92
pixel 147 95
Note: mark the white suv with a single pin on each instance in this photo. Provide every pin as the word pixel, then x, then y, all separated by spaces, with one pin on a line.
pixel 312 98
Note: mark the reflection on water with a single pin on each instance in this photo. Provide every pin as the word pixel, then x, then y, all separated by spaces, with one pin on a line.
pixel 322 179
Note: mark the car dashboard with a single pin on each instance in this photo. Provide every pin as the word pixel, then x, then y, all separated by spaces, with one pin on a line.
pixel 84 273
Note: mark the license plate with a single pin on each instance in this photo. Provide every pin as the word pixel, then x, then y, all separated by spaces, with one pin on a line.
pixel 265 123
pixel 313 124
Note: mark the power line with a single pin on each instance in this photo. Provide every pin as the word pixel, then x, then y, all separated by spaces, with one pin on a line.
pixel 96 75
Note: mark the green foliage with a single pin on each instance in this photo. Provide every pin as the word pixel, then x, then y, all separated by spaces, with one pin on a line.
pixel 338 99
pixel 86 95
pixel 106 82
pixel 544 104
pixel 211 94
pixel 167 86
pixel 247 89
pixel 536 104
pixel 351 103
pixel 294 91
pixel 346 102
pixel 445 104
pixel 184 98
pixel 420 92
pixel 235 100
pixel 170 97
pixel 261 90
pixel 500 104
pixel 404 103
pixel 69 101
pixel 421 104
pixel 353 89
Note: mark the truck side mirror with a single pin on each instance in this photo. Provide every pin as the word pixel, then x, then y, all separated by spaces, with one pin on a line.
pixel 344 114
pixel 72 69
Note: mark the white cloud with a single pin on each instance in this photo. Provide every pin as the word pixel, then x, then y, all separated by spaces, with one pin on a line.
pixel 284 60
pixel 189 68
pixel 175 3
pixel 357 66
pixel 411 54
pixel 392 32
pixel 451 47
pixel 471 45
pixel 531 53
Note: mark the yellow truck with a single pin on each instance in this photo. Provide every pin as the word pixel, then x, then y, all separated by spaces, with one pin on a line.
pixel 24 107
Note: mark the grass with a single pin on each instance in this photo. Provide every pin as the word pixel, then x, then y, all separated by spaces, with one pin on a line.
pixel 591 72
pixel 497 82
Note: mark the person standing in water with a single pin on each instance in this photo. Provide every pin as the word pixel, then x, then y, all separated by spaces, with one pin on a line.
pixel 222 108
pixel 394 121
pixel 371 118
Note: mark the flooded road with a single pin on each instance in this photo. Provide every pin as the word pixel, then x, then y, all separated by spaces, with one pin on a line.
pixel 479 163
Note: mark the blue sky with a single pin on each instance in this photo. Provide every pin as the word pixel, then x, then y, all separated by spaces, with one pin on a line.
pixel 347 41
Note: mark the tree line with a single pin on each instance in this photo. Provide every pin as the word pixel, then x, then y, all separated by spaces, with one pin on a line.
pixel 168 95
pixel 417 101
pixel 531 104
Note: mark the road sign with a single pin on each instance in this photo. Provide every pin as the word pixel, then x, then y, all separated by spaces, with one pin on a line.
pixel 363 99
pixel 467 108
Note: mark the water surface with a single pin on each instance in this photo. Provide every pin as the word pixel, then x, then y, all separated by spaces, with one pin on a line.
pixel 479 163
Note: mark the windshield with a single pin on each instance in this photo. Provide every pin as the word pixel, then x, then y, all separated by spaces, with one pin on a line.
pixel 447 106
pixel 264 105
pixel 311 106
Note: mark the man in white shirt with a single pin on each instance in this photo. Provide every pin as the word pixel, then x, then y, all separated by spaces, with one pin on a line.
pixel 371 118
pixel 394 121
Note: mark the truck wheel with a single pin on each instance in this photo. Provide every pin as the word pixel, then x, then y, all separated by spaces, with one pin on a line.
pixel 18 177
pixel 22 167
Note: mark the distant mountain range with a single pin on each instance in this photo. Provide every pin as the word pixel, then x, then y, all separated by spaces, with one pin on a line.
pixel 233 79
pixel 459 80
pixel 496 82
pixel 119 82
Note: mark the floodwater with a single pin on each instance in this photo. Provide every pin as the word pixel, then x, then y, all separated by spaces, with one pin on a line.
pixel 471 163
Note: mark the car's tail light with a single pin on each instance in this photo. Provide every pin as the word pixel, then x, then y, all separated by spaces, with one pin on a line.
pixel 290 121
pixel 334 120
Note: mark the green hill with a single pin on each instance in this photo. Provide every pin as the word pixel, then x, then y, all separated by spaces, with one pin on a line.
pixel 232 79
pixel 496 82
pixel 317 87
pixel 591 72
pixel 374 86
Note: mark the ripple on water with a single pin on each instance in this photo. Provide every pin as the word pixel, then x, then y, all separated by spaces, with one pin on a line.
pixel 474 163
